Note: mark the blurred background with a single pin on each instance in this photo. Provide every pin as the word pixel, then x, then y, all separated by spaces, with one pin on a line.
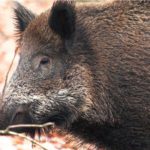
pixel 7 49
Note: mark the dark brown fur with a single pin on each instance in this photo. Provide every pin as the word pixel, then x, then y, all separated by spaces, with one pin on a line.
pixel 92 80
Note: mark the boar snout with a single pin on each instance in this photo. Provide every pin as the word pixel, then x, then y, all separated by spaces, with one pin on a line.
pixel 19 114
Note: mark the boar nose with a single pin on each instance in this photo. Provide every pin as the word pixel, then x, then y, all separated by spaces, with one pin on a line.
pixel 21 115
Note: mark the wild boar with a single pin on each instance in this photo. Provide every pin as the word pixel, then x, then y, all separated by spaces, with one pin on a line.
pixel 87 69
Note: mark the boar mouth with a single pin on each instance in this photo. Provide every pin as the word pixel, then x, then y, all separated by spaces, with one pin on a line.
pixel 24 123
pixel 33 129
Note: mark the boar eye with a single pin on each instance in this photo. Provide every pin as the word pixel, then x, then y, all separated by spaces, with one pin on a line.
pixel 44 61
pixel 41 62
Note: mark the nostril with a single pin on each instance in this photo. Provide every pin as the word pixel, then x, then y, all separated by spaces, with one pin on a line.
pixel 17 118
pixel 21 115
pixel 20 110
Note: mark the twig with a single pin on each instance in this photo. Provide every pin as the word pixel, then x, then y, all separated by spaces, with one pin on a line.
pixel 30 126
pixel 7 74
pixel 7 131
pixel 25 137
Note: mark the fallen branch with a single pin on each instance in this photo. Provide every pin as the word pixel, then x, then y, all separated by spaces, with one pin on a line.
pixel 7 131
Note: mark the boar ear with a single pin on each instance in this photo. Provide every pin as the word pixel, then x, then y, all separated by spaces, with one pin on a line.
pixel 23 16
pixel 62 18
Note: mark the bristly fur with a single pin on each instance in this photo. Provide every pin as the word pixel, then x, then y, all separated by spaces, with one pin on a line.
pixel 97 88
pixel 23 17
pixel 62 18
